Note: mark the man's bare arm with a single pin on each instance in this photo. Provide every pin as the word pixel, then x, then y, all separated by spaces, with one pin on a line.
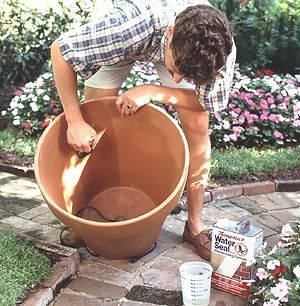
pixel 79 132
pixel 66 82
pixel 141 95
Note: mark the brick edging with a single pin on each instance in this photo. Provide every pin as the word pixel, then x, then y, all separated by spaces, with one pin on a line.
pixel 210 195
pixel 249 189
pixel 17 170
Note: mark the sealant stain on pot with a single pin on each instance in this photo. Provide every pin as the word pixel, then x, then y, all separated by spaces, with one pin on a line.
pixel 117 197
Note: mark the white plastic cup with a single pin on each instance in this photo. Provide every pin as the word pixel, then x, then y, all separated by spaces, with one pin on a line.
pixel 196 282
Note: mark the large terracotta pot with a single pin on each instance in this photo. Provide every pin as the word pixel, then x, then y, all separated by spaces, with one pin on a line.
pixel 135 175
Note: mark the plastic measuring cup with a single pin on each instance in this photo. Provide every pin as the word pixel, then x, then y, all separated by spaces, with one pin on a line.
pixel 196 282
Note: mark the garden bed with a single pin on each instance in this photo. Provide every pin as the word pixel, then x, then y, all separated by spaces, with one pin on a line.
pixel 12 159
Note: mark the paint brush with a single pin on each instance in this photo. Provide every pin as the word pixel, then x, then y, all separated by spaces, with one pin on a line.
pixel 98 137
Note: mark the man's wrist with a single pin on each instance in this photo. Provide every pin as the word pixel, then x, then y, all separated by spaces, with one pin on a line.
pixel 74 116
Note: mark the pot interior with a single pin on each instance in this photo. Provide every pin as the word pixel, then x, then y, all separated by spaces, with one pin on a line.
pixel 136 165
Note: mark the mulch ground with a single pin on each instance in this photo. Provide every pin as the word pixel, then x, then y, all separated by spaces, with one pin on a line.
pixel 292 174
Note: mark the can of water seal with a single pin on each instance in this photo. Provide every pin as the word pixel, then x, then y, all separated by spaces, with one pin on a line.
pixel 234 243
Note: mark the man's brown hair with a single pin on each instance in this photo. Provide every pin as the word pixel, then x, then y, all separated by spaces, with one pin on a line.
pixel 201 42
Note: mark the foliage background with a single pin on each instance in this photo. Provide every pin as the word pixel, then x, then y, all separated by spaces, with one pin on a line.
pixel 267 33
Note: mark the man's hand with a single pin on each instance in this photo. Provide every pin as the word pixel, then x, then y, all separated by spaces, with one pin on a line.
pixel 131 100
pixel 81 136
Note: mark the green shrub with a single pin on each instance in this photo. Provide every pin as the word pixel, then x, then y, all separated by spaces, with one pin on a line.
pixel 12 140
pixel 267 33
pixel 26 35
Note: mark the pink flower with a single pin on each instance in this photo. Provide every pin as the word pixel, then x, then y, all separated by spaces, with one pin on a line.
pixel 251 103
pixel 237 130
pixel 233 137
pixel 233 114
pixel 273 118
pixel 263 104
pixel 281 106
pixel 247 115
pixel 279 97
pixel 27 126
pixel 55 110
pixel 238 110
pixel 281 289
pixel 277 134
pixel 260 91
pixel 286 101
pixel 270 100
pixel 234 94
pixel 46 121
pixel 262 273
pixel 296 123
pixel 241 119
pixel 52 84
pixel 226 138
pixel 18 92
pixel 264 115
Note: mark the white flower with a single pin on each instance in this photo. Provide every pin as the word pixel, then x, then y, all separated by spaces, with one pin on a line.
pixel 296 271
pixel 40 91
pixel 226 124
pixel 287 230
pixel 23 97
pixel 281 289
pixel 271 303
pixel 47 75
pixel 3 113
pixel 14 102
pixel 271 82
pixel 16 122
pixel 274 249
pixel 272 264
pixel 46 98
pixel 39 82
pixel 34 106
pixel 283 92
pixel 15 111
pixel 292 92
pixel 29 85
pixel 20 105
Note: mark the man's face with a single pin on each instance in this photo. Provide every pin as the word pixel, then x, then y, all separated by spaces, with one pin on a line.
pixel 170 63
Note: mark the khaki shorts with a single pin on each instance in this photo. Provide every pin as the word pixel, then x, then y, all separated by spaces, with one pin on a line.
pixel 110 77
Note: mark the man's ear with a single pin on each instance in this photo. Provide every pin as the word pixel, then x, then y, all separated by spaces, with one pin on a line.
pixel 170 32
